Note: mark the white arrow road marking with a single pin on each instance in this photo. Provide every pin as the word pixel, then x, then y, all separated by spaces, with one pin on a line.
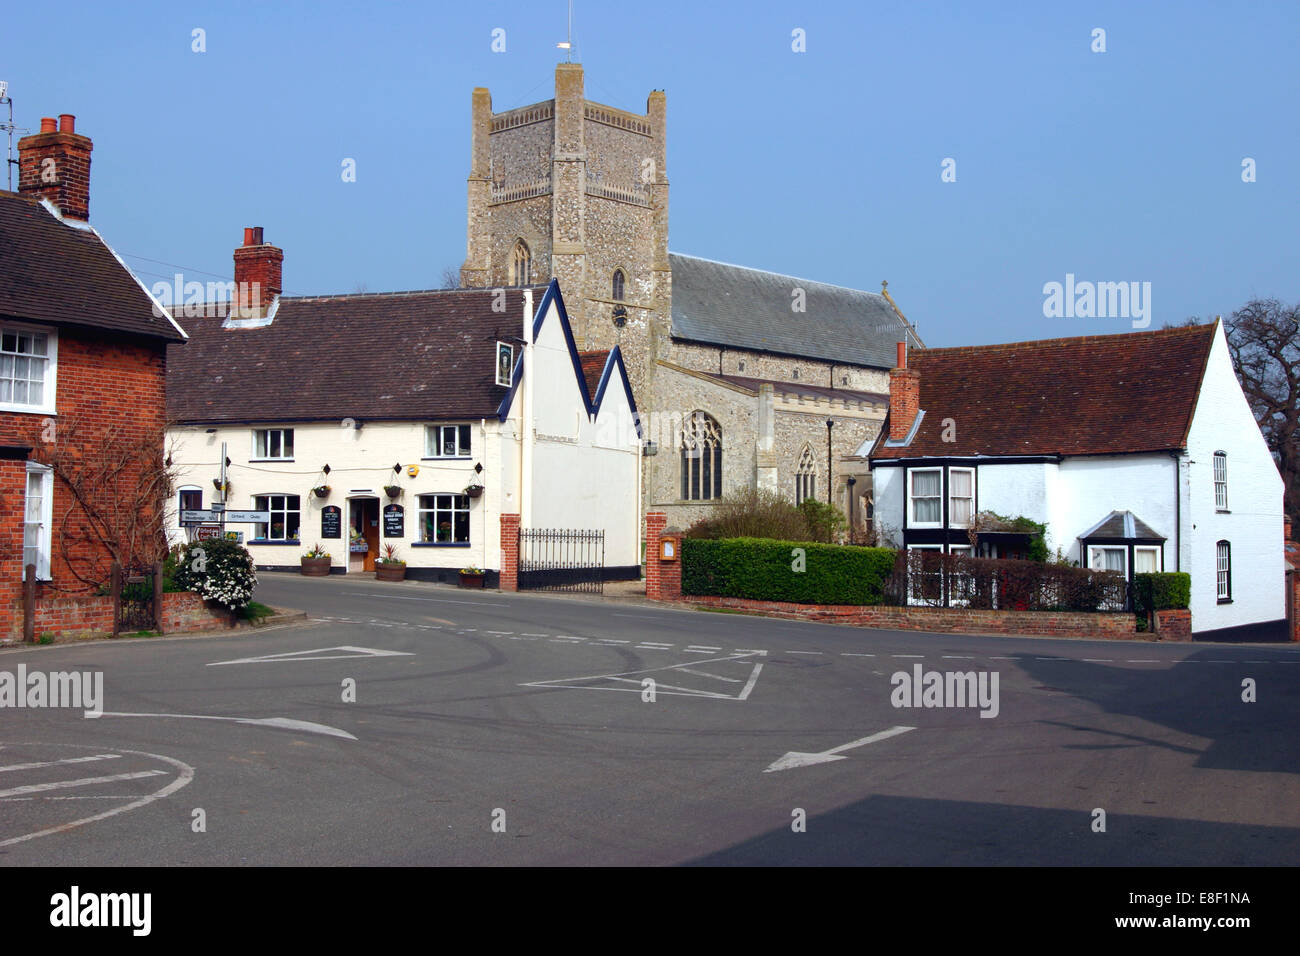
pixel 83 782
pixel 796 759
pixel 283 723
pixel 319 654
pixel 626 677
pixel 55 763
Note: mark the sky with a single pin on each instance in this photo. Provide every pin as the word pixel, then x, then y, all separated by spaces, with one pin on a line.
pixel 969 153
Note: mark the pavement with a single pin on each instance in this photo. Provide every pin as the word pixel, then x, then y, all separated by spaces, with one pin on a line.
pixel 408 723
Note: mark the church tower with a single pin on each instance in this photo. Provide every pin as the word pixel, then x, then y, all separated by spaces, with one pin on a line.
pixel 578 191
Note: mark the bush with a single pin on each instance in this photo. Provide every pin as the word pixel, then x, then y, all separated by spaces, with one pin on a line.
pixel 224 572
pixel 955 580
pixel 758 513
pixel 1161 592
pixel 766 570
pixel 824 521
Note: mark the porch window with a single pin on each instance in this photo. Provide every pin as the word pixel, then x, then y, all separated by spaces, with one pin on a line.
pixel 444 519
pixel 925 493
pixel 273 444
pixel 1108 559
pixel 961 497
pixel 446 441
pixel 1146 560
pixel 37 520
pixel 285 517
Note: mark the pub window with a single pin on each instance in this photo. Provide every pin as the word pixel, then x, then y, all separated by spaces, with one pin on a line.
pixel 446 441
pixel 273 444
pixel 444 519
pixel 521 268
pixel 805 478
pixel 701 458
pixel 285 516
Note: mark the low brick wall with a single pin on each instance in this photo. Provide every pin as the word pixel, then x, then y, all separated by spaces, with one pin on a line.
pixel 92 615
pixel 1174 625
pixel 1293 596
pixel 1113 626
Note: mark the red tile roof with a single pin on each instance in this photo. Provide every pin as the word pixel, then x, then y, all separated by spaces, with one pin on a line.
pixel 1091 395
pixel 54 272
pixel 593 365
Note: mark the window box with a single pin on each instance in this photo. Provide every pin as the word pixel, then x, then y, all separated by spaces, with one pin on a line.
pixel 315 567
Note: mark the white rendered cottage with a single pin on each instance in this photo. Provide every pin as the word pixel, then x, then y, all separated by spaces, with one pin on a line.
pixel 1138 451
pixel 395 406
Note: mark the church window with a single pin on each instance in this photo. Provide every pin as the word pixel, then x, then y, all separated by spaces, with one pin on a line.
pixel 805 478
pixel 742 365
pixel 796 375
pixel 701 458
pixel 618 285
pixel 521 270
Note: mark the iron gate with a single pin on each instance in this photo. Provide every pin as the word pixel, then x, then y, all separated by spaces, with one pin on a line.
pixel 555 559
pixel 135 598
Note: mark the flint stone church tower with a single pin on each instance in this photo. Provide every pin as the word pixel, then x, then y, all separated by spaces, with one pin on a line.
pixel 737 370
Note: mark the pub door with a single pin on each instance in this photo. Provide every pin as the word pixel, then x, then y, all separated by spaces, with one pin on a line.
pixel 363 529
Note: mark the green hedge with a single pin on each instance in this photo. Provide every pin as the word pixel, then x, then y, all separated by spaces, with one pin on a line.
pixel 764 570
pixel 1160 592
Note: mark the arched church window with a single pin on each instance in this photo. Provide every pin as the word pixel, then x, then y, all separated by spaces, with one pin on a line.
pixel 805 476
pixel 521 269
pixel 701 457
pixel 618 285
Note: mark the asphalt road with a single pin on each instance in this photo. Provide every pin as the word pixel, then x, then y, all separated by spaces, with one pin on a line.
pixel 479 712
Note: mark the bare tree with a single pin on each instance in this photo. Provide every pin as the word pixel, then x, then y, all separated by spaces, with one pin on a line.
pixel 450 278
pixel 1264 339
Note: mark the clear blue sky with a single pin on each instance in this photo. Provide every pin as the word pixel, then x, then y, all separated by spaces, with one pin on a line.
pixel 1115 166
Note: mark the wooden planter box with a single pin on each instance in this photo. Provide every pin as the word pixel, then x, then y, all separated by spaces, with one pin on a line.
pixel 389 572
pixel 471 580
pixel 316 567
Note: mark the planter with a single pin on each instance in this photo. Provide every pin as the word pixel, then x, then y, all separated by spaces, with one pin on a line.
pixel 473 491
pixel 471 580
pixel 321 491
pixel 316 567
pixel 389 572
pixel 393 491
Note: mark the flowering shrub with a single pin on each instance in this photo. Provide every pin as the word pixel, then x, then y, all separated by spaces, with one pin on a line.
pixel 220 571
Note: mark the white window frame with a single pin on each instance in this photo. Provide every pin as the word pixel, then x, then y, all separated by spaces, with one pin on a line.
pixel 459 502
pixel 45 520
pixel 1154 549
pixel 433 449
pixel 261 451
pixel 969 551
pixel 1121 548
pixel 1220 468
pixel 49 405
pixel 952 497
pixel 263 531
pixel 911 499
pixel 1223 571
pixel 180 507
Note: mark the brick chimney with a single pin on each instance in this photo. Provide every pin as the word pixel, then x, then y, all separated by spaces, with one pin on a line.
pixel 54 164
pixel 904 396
pixel 1286 528
pixel 257 274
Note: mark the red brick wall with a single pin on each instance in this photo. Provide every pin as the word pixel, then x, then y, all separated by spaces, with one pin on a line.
pixel 13 493
pixel 70 190
pixel 663 579
pixel 509 553
pixel 904 401
pixel 92 616
pixel 1293 595
pixel 261 267
pixel 103 382
pixel 1119 626
pixel 1174 624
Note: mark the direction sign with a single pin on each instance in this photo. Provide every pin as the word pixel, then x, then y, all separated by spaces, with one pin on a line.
pixel 256 517
pixel 207 532
pixel 198 517
pixel 218 506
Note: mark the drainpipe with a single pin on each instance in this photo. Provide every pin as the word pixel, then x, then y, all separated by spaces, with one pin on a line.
pixel 526 417
pixel 1178 514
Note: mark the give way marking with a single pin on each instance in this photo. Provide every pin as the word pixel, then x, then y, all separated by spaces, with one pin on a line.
pixel 736 680
pixel 796 759
pixel 319 654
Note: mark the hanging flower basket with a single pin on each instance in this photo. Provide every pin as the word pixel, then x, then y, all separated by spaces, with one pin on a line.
pixel 321 491
pixel 473 490
pixel 216 483
pixel 393 491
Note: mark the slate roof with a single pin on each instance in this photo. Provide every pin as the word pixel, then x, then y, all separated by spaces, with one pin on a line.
pixel 66 275
pixel 1091 395
pixel 391 356
pixel 720 304
pixel 1121 526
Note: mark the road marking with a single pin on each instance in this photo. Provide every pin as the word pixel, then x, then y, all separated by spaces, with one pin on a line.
pixel 83 782
pixel 185 775
pixel 394 597
pixel 689 670
pixel 499 632
pixel 608 640
pixel 526 634
pixel 968 657
pixel 917 656
pixel 795 758
pixel 750 650
pixel 804 652
pixel 1097 660
pixel 631 677
pixel 281 723
pixel 55 763
pixel 702 647
pixel 1002 658
pixel 847 654
pixel 518 638
pixel 1143 662
pixel 654 644
pixel 319 654
pixel 1052 659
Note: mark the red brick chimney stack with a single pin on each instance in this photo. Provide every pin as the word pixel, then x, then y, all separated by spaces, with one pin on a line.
pixel 54 164
pixel 904 396
pixel 258 270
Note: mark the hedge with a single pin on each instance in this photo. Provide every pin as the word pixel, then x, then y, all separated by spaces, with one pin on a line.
pixel 762 569
pixel 1161 592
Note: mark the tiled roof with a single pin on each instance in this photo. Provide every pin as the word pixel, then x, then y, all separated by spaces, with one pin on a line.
pixel 801 389
pixel 394 356
pixel 593 366
pixel 1121 526
pixel 722 304
pixel 1091 395
pixel 54 272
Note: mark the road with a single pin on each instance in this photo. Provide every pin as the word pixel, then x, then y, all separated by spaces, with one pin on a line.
pixel 506 729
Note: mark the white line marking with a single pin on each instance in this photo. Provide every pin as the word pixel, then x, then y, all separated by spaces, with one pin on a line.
pixel 689 670
pixel 608 640
pixel 83 782
pixel 652 647
pixel 1143 662
pixel 570 683
pixel 186 774
pixel 695 650
pixel 526 634
pixel 702 647
pixel 499 632
pixel 847 654
pixel 282 723
pixel 55 763
pixel 797 759
pixel 804 652
pixel 689 691
pixel 1002 658
pixel 917 656
pixel 321 654
pixel 1097 660
pixel 753 679
pixel 654 644
pixel 394 597
pixel 965 657
pixel 1051 658
pixel 522 638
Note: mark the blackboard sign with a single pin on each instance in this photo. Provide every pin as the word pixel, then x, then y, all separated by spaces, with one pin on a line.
pixel 331 522
pixel 394 521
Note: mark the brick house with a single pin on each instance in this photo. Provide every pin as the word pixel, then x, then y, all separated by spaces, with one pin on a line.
pixel 1138 451
pixel 82 377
